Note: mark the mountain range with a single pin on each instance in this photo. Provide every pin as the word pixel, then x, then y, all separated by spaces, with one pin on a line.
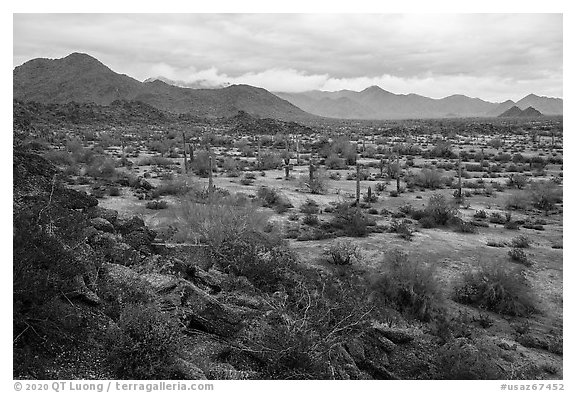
pixel 377 103
pixel 81 78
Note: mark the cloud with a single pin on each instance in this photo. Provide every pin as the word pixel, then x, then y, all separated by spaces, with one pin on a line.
pixel 487 55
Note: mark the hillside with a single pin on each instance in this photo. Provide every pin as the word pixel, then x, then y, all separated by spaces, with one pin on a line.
pixel 83 79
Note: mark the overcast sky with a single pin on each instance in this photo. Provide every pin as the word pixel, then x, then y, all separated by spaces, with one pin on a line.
pixel 490 56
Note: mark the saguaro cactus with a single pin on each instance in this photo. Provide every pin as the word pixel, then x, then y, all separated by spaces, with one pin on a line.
pixel 297 150
pixel 459 176
pixel 398 170
pixel 210 180
pixel 287 161
pixel 357 182
pixel 185 158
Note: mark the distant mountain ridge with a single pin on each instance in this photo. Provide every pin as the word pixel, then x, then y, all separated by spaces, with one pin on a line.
pixel 377 103
pixel 81 78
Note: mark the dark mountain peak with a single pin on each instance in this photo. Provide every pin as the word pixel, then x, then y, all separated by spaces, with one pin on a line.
pixel 374 89
pixel 531 112
pixel 507 102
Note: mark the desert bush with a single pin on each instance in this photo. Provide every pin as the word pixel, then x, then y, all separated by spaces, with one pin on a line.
pixel 480 214
pixel 335 176
pixel 343 253
pixel 101 167
pixel 412 287
pixel 403 228
pixel 496 288
pixel 310 207
pixel 114 191
pixel 467 359
pixel 440 210
pixel 465 226
pixel 310 219
pixel 60 157
pixel 349 220
pixel 144 344
pixel 172 187
pixel 494 243
pixel 544 195
pixel 517 181
pixel 156 205
pixel 269 160
pixel 156 160
pixel 335 162
pixel 520 241
pixel 318 184
pixel 518 255
pixel 518 201
pixel 201 163
pixel 272 198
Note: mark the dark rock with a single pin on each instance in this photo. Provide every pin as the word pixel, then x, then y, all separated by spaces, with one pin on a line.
pixel 72 199
pixel 102 224
pixel 81 291
pixel 225 371
pixel 99 212
pixel 396 335
pixel 355 348
pixel 125 226
pixel 201 310
pixel 140 239
pixel 189 370
pixel 379 371
pixel 123 254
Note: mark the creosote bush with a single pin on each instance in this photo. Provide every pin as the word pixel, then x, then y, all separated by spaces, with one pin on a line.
pixel 343 253
pixel 410 286
pixel 497 288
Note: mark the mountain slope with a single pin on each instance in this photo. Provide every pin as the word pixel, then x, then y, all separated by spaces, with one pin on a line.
pixel 83 79
pixel 546 105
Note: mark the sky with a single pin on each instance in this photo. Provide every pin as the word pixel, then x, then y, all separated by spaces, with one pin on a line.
pixel 491 56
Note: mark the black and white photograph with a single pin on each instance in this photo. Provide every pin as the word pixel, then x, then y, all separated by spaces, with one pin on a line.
pixel 201 197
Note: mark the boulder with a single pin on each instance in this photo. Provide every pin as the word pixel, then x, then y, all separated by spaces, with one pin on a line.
pixel 99 212
pixel 355 348
pixel 200 310
pixel 140 240
pixel 123 254
pixel 225 371
pixel 125 226
pixel 72 199
pixel 161 282
pixel 189 370
pixel 396 335
pixel 81 291
pixel 102 224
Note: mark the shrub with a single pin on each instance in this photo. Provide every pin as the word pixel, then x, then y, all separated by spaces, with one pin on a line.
pixel 245 181
pixel 439 209
pixel 172 187
pixel 410 286
pixel 465 226
pixel 544 195
pixel 114 191
pixel 156 160
pixel 144 345
pixel 310 207
pixel 466 358
pixel 156 205
pixel 402 228
pixel 496 288
pixel 428 178
pixel 101 167
pixel 335 162
pixel 517 181
pixel 517 255
pixel 480 214
pixel 343 253
pixel 272 198
pixel 350 221
pixel 310 219
pixel 494 243
pixel 520 241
